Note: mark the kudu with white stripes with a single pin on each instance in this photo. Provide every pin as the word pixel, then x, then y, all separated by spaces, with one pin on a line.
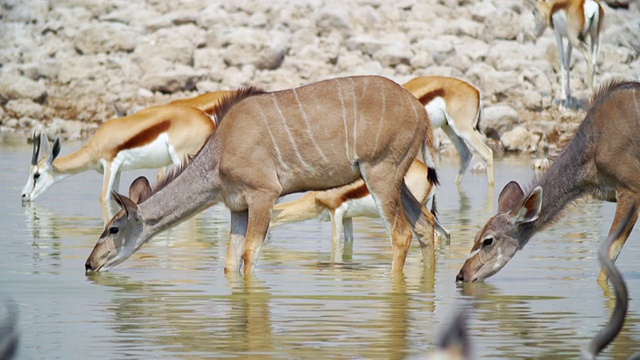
pixel 269 144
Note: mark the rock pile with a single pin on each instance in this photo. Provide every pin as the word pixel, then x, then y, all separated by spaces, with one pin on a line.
pixel 64 62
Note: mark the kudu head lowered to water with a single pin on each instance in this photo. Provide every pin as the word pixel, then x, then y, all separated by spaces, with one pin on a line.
pixel 601 161
pixel 267 145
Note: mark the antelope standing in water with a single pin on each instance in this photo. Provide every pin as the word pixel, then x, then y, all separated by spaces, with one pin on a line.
pixel 152 138
pixel 575 20
pixel 320 136
pixel 344 203
pixel 601 160
pixel 455 106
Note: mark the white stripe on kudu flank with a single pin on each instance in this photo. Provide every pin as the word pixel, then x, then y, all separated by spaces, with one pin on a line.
pixel 344 120
pixel 308 127
pixel 355 117
pixel 286 128
pixel 382 111
pixel 273 140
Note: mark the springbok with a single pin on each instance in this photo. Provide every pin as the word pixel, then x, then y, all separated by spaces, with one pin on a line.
pixel 600 160
pixel 574 20
pixel 152 138
pixel 455 106
pixel 344 203
pixel 320 136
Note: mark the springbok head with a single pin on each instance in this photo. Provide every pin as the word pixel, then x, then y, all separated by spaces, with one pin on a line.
pixel 117 242
pixel 541 12
pixel 41 172
pixel 503 235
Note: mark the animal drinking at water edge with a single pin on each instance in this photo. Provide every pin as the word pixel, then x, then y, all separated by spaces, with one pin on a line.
pixel 152 138
pixel 320 136
pixel 575 20
pixel 455 106
pixel 346 202
pixel 456 335
pixel 601 160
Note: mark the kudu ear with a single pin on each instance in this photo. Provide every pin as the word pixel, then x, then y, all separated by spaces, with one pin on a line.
pixel 510 196
pixel 140 190
pixel 530 208
pixel 130 208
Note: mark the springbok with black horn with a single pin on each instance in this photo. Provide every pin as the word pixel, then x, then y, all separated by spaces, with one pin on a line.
pixel 575 20
pixel 341 205
pixel 152 138
pixel 455 106
pixel 320 136
pixel 601 160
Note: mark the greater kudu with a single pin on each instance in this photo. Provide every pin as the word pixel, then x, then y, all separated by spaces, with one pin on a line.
pixel 267 145
pixel 601 160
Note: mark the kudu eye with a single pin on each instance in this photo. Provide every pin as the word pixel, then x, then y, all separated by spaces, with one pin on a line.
pixel 113 230
pixel 36 176
pixel 487 242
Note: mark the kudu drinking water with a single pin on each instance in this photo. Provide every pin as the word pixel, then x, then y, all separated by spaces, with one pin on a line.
pixel 602 160
pixel 267 145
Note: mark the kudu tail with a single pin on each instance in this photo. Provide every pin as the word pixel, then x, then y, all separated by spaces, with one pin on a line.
pixel 428 158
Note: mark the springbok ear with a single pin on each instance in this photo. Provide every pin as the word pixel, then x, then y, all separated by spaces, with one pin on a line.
pixel 129 207
pixel 119 113
pixel 44 150
pixel 36 148
pixel 140 190
pixel 510 196
pixel 55 152
pixel 530 208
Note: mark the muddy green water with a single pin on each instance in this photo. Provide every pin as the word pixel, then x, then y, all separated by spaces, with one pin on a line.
pixel 172 300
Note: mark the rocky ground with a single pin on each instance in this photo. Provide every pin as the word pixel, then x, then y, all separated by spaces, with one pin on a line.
pixel 64 62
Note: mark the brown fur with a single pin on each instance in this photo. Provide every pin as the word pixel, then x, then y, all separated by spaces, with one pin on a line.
pixel 143 138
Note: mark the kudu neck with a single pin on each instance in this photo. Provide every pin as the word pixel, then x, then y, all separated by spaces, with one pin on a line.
pixel 172 204
pixel 567 180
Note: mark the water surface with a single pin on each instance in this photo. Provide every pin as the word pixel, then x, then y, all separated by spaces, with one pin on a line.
pixel 172 300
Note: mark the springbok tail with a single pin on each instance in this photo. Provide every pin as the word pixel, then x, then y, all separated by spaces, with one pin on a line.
pixel 434 210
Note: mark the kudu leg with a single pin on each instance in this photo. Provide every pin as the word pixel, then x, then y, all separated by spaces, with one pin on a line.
pixel 624 205
pixel 385 190
pixel 258 225
pixel 235 247
pixel 422 223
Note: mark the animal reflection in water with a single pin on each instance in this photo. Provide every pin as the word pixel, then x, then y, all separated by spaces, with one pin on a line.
pixel 316 141
pixel 597 162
